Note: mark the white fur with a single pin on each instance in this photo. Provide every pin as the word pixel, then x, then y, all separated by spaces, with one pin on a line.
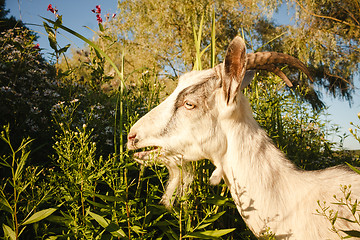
pixel 268 190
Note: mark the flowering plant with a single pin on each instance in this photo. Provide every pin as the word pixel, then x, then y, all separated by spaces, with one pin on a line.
pixel 53 10
pixel 97 10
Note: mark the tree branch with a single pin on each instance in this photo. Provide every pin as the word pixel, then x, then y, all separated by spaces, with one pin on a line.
pixel 351 15
pixel 338 77
pixel 326 17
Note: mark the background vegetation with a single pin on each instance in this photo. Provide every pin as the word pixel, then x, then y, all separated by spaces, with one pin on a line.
pixel 65 173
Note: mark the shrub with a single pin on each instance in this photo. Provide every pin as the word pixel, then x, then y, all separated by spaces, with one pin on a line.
pixel 27 85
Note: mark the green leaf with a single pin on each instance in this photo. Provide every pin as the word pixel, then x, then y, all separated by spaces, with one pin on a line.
pixel 38 216
pixel 109 198
pixel 348 220
pixel 210 234
pixel 138 229
pixel 58 22
pixel 48 29
pixel 115 230
pixel 354 208
pixel 58 219
pixel 99 219
pixel 171 234
pixel 4 205
pixel 98 55
pixel 214 217
pixel 333 220
pixel 203 226
pixel 52 41
pixel 8 232
pixel 52 238
pixel 107 38
pixel 21 165
pixel 354 168
pixel 221 201
pixel 109 226
pixel 101 27
pixel 64 49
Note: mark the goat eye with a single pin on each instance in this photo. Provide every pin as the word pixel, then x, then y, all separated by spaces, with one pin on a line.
pixel 188 105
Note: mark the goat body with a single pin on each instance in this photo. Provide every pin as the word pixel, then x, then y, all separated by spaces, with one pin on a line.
pixel 207 117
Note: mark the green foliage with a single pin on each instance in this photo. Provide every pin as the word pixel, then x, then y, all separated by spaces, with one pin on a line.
pixel 20 196
pixel 77 174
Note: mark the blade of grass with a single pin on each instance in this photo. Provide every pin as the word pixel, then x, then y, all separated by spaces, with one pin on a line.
pixel 213 34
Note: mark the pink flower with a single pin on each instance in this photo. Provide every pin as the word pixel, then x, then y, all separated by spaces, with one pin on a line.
pixel 98 9
pixel 98 18
pixel 51 9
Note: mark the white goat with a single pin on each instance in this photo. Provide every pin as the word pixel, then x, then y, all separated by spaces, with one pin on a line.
pixel 207 117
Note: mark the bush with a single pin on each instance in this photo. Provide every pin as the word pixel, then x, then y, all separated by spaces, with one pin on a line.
pixel 27 85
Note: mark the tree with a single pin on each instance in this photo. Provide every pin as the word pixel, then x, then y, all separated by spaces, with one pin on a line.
pixel 7 22
pixel 160 35
pixel 326 34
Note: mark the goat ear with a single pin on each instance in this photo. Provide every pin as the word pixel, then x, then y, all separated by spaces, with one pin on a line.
pixel 234 68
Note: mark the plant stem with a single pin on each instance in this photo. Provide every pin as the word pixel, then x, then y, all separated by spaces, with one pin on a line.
pixel 213 34
pixel 15 220
pixel 181 203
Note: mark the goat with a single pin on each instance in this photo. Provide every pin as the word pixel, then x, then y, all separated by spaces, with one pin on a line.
pixel 208 117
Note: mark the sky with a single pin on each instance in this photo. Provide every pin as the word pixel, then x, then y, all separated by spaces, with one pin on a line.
pixel 77 14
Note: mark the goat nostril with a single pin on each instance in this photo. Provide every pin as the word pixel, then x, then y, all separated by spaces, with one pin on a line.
pixel 132 136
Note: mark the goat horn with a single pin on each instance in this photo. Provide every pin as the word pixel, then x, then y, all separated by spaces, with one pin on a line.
pixel 277 71
pixel 267 61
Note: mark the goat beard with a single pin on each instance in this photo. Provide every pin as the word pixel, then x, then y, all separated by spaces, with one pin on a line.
pixel 180 172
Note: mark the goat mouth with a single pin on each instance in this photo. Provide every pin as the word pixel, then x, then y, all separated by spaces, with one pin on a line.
pixel 152 153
